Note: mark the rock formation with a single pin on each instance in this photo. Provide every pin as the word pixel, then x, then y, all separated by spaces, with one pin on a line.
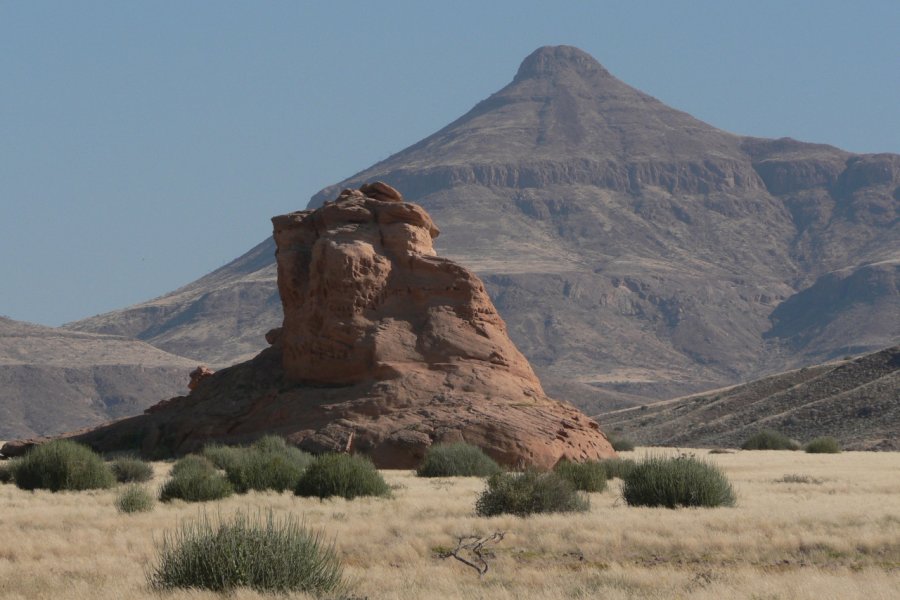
pixel 385 349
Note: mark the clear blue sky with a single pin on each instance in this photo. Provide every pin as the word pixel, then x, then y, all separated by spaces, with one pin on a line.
pixel 143 144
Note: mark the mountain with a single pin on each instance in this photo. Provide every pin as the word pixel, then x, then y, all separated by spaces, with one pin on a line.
pixel 53 380
pixel 854 400
pixel 635 252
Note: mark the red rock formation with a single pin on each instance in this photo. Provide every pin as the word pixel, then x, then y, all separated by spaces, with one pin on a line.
pixel 199 374
pixel 385 349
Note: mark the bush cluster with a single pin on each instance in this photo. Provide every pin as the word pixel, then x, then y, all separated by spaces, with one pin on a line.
pixel 342 475
pixel 249 550
pixel 589 476
pixel 62 465
pixel 527 493
pixel 195 479
pixel 134 498
pixel 674 482
pixel 769 439
pixel 269 464
pixel 131 470
pixel 823 445
pixel 617 467
pixel 621 444
pixel 457 460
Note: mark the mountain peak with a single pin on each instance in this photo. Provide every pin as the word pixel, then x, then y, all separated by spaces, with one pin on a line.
pixel 550 60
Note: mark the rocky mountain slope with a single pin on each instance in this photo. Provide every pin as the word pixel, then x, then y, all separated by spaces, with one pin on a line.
pixel 53 380
pixel 635 252
pixel 855 400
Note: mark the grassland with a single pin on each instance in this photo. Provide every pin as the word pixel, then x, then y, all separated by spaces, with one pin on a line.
pixel 805 527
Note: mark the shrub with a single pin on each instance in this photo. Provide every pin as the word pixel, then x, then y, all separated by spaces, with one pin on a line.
pixel 769 439
pixel 62 465
pixel 457 460
pixel 195 479
pixel 823 445
pixel 621 444
pixel 617 467
pixel 6 473
pixel 134 498
pixel 254 551
pixel 679 481
pixel 222 456
pixel 341 475
pixel 129 470
pixel 267 466
pixel 587 476
pixel 530 492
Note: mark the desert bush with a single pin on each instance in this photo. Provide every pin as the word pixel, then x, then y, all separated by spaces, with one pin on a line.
pixel 6 472
pixel 527 493
pixel 617 467
pixel 195 479
pixel 769 439
pixel 130 469
pixel 248 550
pixel 823 445
pixel 457 460
pixel 62 465
pixel 587 476
pixel 342 475
pixel 799 478
pixel 621 444
pixel 134 498
pixel 678 481
pixel 222 456
pixel 267 465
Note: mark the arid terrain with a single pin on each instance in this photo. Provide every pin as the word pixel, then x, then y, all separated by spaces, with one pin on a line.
pixel 806 527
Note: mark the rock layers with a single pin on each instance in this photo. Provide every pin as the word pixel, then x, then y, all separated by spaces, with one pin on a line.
pixel 385 349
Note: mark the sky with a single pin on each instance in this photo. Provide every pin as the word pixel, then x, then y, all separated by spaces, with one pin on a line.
pixel 144 144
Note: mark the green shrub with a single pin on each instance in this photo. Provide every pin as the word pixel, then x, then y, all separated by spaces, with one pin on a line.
pixel 587 476
pixel 679 481
pixel 823 445
pixel 195 479
pixel 222 456
pixel 129 470
pixel 6 472
pixel 253 551
pixel 617 467
pixel 621 444
pixel 62 465
pixel 341 475
pixel 769 439
pixel 267 466
pixel 530 492
pixel 134 498
pixel 457 460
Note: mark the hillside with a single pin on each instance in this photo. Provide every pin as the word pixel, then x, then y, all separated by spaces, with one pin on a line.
pixel 855 400
pixel 635 252
pixel 53 380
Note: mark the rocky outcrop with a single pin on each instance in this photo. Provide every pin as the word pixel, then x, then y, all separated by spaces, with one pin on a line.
pixel 385 349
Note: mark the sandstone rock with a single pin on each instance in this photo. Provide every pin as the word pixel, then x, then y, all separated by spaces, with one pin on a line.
pixel 198 375
pixel 385 350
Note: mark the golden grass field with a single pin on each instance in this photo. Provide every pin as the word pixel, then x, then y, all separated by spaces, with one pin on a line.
pixel 837 536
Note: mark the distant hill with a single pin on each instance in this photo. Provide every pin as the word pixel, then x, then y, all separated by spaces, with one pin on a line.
pixel 635 252
pixel 855 400
pixel 53 380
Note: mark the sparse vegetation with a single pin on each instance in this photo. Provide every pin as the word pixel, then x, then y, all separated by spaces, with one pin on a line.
pixel 134 498
pixel 679 481
pixel 344 475
pixel 799 478
pixel 62 465
pixel 251 550
pixel 621 444
pixel 823 445
pixel 269 464
pixel 589 476
pixel 527 493
pixel 769 439
pixel 195 479
pixel 131 470
pixel 457 460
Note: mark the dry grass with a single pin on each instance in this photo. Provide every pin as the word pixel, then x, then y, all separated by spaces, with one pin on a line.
pixel 838 538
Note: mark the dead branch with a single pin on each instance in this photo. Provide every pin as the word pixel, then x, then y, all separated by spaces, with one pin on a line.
pixel 474 545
